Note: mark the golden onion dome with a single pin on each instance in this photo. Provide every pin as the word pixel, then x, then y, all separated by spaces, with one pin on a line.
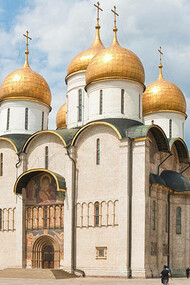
pixel 61 117
pixel 163 96
pixel 81 61
pixel 25 84
pixel 115 62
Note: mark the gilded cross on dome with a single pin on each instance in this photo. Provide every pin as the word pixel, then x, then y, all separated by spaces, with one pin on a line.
pixel 115 14
pixel 160 65
pixel 27 37
pixel 98 14
pixel 161 53
pixel 26 51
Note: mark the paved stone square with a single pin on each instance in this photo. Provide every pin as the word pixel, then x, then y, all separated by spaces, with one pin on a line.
pixel 89 281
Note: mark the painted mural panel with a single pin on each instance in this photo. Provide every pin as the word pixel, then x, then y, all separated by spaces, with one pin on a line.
pixel 42 189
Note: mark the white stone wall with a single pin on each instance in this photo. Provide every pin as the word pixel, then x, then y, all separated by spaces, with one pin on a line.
pixel 140 208
pixel 74 83
pixel 11 255
pixel 17 117
pixel 162 119
pixel 111 108
pixel 102 183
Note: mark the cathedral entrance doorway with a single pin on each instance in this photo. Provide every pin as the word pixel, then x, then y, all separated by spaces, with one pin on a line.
pixel 48 256
pixel 45 253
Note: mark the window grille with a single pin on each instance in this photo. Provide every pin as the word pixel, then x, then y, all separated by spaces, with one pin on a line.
pixel 178 220
pixel 26 118
pixel 96 214
pixel 170 128
pixel 80 105
pixel 98 151
pixel 122 101
pixel 46 157
pixel 1 164
pixel 42 121
pixel 153 215
pixel 8 118
pixel 101 102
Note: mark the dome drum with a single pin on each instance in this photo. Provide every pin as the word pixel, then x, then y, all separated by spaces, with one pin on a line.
pixel 23 117
pixel 112 104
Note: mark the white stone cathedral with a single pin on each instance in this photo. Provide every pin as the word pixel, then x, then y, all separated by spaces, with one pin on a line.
pixel 107 192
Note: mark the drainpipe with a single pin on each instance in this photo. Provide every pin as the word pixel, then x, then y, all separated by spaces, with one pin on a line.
pixel 158 170
pixel 168 256
pixel 73 236
pixel 19 159
pixel 185 169
pixel 130 183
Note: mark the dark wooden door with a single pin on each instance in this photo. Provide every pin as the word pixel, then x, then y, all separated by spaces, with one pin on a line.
pixel 48 256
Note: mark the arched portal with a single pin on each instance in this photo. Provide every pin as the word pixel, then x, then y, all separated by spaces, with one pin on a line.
pixel 48 256
pixel 45 253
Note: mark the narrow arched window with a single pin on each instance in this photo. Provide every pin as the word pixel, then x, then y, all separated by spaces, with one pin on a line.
pixel 26 118
pixel 166 218
pixel 101 103
pixel 1 164
pixel 178 220
pixel 45 217
pixel 8 118
pixel 42 121
pixel 0 219
pixel 153 215
pixel 46 157
pixel 96 214
pixel 122 101
pixel 98 151
pixel 139 106
pixel 80 105
pixel 170 128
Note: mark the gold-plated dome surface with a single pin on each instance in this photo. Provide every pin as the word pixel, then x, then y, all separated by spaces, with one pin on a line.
pixel 81 61
pixel 25 84
pixel 61 117
pixel 115 62
pixel 163 95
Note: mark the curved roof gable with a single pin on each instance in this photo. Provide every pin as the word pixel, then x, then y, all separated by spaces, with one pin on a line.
pixel 64 135
pixel 181 148
pixel 158 133
pixel 119 125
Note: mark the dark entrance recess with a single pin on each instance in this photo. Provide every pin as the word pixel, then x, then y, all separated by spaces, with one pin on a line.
pixel 48 256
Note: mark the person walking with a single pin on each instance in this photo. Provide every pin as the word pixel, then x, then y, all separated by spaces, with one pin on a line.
pixel 187 272
pixel 164 275
pixel 169 271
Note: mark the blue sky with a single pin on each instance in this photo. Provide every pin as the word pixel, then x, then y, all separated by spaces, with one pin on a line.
pixel 60 29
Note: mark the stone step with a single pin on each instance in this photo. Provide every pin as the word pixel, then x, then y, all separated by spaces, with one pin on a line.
pixel 35 273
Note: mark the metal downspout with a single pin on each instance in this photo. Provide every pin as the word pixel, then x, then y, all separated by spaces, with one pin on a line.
pixel 73 235
pixel 130 174
pixel 158 170
pixel 168 259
